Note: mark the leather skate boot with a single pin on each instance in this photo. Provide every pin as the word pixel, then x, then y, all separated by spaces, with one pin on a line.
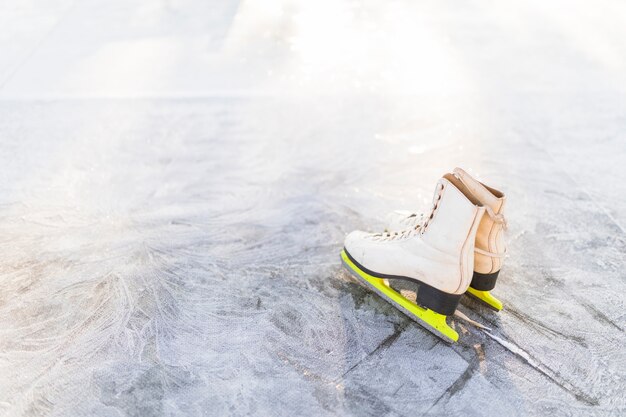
pixel 489 249
pixel 437 254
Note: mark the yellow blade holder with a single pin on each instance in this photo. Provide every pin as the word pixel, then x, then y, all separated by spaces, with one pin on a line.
pixel 485 297
pixel 432 321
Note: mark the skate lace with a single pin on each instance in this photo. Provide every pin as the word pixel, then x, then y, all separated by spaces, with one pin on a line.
pixel 497 218
pixel 419 228
pixel 412 220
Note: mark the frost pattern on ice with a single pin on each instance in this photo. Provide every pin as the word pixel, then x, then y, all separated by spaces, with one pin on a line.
pixel 180 255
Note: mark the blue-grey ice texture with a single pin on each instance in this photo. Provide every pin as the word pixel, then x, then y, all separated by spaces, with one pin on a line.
pixel 177 178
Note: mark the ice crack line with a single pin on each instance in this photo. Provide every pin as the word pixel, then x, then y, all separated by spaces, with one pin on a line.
pixel 459 383
pixel 388 341
pixel 547 372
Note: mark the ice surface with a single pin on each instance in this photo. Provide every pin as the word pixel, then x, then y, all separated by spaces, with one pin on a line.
pixel 177 179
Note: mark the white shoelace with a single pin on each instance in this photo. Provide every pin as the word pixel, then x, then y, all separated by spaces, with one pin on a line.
pixel 418 222
pixel 420 227
pixel 413 219
pixel 497 218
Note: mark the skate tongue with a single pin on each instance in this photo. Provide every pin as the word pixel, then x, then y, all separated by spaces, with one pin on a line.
pixel 462 316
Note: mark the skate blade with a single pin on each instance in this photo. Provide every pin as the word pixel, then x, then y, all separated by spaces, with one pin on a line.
pixel 432 321
pixel 486 298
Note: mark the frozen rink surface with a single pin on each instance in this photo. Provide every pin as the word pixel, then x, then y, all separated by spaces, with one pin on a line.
pixel 177 178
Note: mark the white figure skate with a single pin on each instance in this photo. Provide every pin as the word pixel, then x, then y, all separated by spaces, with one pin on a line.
pixel 437 254
pixel 489 247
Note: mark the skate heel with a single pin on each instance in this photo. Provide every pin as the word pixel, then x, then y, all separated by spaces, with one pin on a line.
pixel 437 300
pixel 480 287
pixel 484 282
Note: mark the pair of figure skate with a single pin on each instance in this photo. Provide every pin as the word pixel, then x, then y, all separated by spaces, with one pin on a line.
pixel 457 248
